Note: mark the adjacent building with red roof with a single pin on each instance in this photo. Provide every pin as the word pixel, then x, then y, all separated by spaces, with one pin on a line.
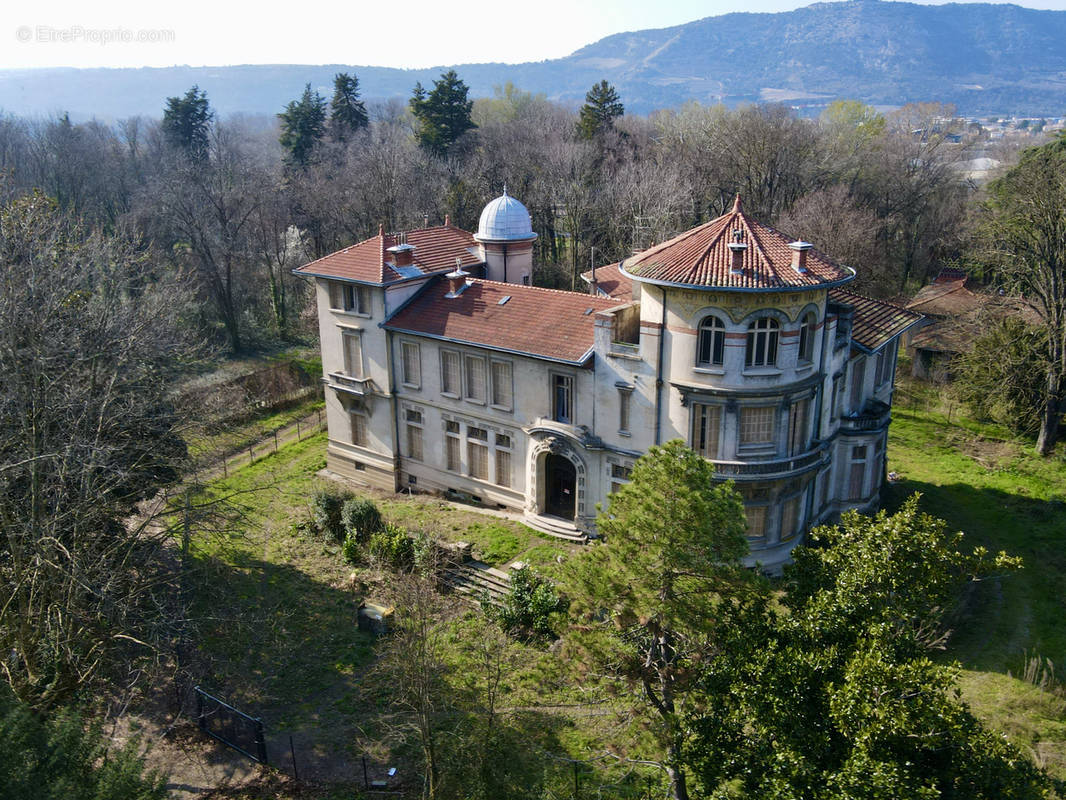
pixel 446 371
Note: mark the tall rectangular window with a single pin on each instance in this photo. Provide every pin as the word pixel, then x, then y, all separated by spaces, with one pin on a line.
pixel 502 388
pixel 477 453
pixel 451 447
pixel 562 398
pixel 412 364
pixel 756 518
pixel 879 368
pixel 790 517
pixel 706 423
pixel 358 429
pixel 414 433
pixel 475 379
pixel 757 425
pixel 620 476
pixel 449 372
pixel 858 378
pixel 503 460
pixel 625 397
pixel 857 474
pixel 353 355
pixel 797 427
pixel 710 344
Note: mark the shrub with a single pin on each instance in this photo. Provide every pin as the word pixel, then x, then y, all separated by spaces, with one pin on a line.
pixel 391 546
pixel 326 505
pixel 527 610
pixel 360 518
pixel 352 550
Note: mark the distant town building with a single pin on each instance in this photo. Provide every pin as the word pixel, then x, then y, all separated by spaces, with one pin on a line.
pixel 446 371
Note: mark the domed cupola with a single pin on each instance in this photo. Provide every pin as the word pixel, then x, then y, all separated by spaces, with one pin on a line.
pixel 506 236
pixel 505 220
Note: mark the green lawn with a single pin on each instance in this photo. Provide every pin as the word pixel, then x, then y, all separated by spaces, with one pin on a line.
pixel 1004 497
pixel 276 606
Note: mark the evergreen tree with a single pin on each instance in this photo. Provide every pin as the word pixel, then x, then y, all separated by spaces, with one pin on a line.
pixel 61 757
pixel 303 124
pixel 187 122
pixel 601 108
pixel 443 114
pixel 658 588
pixel 347 112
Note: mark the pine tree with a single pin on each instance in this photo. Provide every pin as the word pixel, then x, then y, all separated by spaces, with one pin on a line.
pixel 187 122
pixel 347 112
pixel 601 108
pixel 303 125
pixel 443 114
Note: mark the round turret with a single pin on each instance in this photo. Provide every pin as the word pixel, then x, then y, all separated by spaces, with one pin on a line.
pixel 505 220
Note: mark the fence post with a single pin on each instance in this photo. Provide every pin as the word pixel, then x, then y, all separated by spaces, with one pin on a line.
pixel 292 749
pixel 251 454
pixel 366 775
pixel 275 440
pixel 201 721
pixel 319 412
pixel 297 430
pixel 260 742
pixel 224 473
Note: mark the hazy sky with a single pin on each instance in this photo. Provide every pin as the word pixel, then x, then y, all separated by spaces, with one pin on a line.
pixel 403 33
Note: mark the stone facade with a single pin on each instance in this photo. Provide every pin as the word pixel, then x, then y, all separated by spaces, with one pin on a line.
pixel 787 391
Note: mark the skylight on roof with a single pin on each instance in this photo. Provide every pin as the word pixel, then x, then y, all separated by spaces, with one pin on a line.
pixel 589 311
pixel 410 271
pixel 503 300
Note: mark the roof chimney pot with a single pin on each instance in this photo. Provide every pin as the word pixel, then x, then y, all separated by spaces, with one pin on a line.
pixel 456 282
pixel 799 256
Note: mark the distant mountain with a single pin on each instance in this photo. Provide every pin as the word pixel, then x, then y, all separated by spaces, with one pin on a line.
pixel 983 58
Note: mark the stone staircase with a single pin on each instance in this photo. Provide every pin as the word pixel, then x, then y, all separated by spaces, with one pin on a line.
pixel 555 526
pixel 474 578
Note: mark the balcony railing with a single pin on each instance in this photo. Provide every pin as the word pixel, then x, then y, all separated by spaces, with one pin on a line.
pixel 764 469
pixel 350 384
pixel 875 415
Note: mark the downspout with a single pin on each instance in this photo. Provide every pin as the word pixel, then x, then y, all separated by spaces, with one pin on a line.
pixel 394 405
pixel 505 263
pixel 659 373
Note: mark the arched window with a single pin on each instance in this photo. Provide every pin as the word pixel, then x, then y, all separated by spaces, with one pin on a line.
pixel 806 348
pixel 710 351
pixel 762 343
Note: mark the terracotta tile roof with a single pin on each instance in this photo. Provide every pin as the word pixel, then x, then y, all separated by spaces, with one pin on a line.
pixel 369 261
pixel 702 257
pixel 545 323
pixel 946 299
pixel 612 281
pixel 875 321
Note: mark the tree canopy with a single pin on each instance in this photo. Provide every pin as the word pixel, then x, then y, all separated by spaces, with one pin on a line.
pixel 187 122
pixel 303 125
pixel 1024 231
pixel 671 563
pixel 347 112
pixel 602 107
pixel 443 113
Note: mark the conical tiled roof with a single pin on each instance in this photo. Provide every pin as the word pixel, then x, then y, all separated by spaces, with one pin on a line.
pixel 702 258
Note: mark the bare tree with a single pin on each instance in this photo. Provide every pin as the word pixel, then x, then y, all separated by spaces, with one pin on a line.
pixel 87 430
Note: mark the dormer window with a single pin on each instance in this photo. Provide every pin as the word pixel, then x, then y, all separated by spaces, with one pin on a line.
pixel 710 350
pixel 761 350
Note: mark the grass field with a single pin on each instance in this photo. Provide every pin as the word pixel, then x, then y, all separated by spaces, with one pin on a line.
pixel 1004 497
pixel 280 633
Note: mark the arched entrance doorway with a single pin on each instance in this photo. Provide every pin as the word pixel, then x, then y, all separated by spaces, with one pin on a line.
pixel 560 484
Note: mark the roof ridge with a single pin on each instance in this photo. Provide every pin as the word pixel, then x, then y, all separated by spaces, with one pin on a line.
pixel 683 236
pixel 896 306
pixel 524 287
pixel 758 242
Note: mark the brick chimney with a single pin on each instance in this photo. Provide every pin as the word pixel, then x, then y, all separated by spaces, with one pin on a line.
pixel 456 282
pixel 403 253
pixel 799 256
pixel 737 247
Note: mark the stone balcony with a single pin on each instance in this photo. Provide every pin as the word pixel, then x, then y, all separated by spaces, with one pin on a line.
pixel 874 416
pixel 356 386
pixel 768 469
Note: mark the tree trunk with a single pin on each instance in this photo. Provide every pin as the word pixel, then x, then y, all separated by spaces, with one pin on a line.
pixel 678 785
pixel 1049 421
